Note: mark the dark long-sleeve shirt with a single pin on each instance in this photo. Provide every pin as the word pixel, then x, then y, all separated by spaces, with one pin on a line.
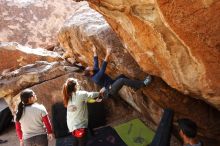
pixel 99 77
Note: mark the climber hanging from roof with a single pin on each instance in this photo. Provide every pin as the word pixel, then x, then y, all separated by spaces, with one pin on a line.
pixel 109 86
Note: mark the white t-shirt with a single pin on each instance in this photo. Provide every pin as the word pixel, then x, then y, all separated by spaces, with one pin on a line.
pixel 31 120
pixel 77 113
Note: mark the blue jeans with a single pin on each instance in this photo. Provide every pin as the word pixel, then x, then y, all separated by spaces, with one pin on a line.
pixel 65 141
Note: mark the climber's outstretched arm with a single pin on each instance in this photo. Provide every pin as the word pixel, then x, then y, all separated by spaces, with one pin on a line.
pixel 108 53
pixel 95 57
pixel 98 76
pixel 94 51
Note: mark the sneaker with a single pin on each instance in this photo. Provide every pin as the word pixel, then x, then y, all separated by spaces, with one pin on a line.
pixel 148 80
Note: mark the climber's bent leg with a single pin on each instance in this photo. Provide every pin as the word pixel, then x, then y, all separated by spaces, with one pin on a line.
pixel 120 76
pixel 118 84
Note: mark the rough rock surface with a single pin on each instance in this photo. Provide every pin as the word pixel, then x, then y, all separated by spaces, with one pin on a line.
pixel 46 80
pixel 13 82
pixel 14 56
pixel 48 88
pixel 50 91
pixel 33 23
pixel 175 40
pixel 87 27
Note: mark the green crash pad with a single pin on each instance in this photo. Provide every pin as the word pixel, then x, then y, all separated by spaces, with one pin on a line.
pixel 135 133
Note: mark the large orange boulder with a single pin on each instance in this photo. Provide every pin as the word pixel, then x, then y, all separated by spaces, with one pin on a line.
pixel 175 40
pixel 134 57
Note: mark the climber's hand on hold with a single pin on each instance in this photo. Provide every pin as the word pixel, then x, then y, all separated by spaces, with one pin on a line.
pixel 94 49
pixel 108 51
pixel 98 99
pixel 101 92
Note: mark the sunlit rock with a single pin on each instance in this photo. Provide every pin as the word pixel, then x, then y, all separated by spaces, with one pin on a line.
pixel 144 48
pixel 33 23
pixel 14 56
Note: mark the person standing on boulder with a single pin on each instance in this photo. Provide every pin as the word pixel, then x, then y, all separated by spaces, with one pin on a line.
pixel 77 114
pixel 31 120
pixel 109 86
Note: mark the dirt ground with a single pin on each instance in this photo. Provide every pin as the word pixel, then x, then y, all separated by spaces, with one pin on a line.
pixel 11 137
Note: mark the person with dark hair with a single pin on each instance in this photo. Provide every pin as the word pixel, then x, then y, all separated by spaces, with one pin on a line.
pixel 75 101
pixel 188 132
pixel 109 86
pixel 31 120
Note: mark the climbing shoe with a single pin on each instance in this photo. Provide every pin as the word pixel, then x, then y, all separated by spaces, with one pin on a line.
pixel 148 80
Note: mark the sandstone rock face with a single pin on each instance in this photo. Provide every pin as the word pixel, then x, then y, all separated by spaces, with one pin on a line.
pixel 46 80
pixel 14 56
pixel 50 92
pixel 175 40
pixel 84 28
pixel 13 82
pixel 144 51
pixel 33 23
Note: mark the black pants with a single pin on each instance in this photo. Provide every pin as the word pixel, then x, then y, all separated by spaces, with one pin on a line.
pixel 163 133
pixel 120 82
pixel 120 76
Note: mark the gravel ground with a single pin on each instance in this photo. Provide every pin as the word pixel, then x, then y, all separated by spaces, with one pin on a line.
pixel 10 135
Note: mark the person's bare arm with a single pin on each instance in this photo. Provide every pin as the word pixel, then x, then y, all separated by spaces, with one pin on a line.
pixel 98 76
pixel 95 57
pixel 94 50
pixel 108 53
